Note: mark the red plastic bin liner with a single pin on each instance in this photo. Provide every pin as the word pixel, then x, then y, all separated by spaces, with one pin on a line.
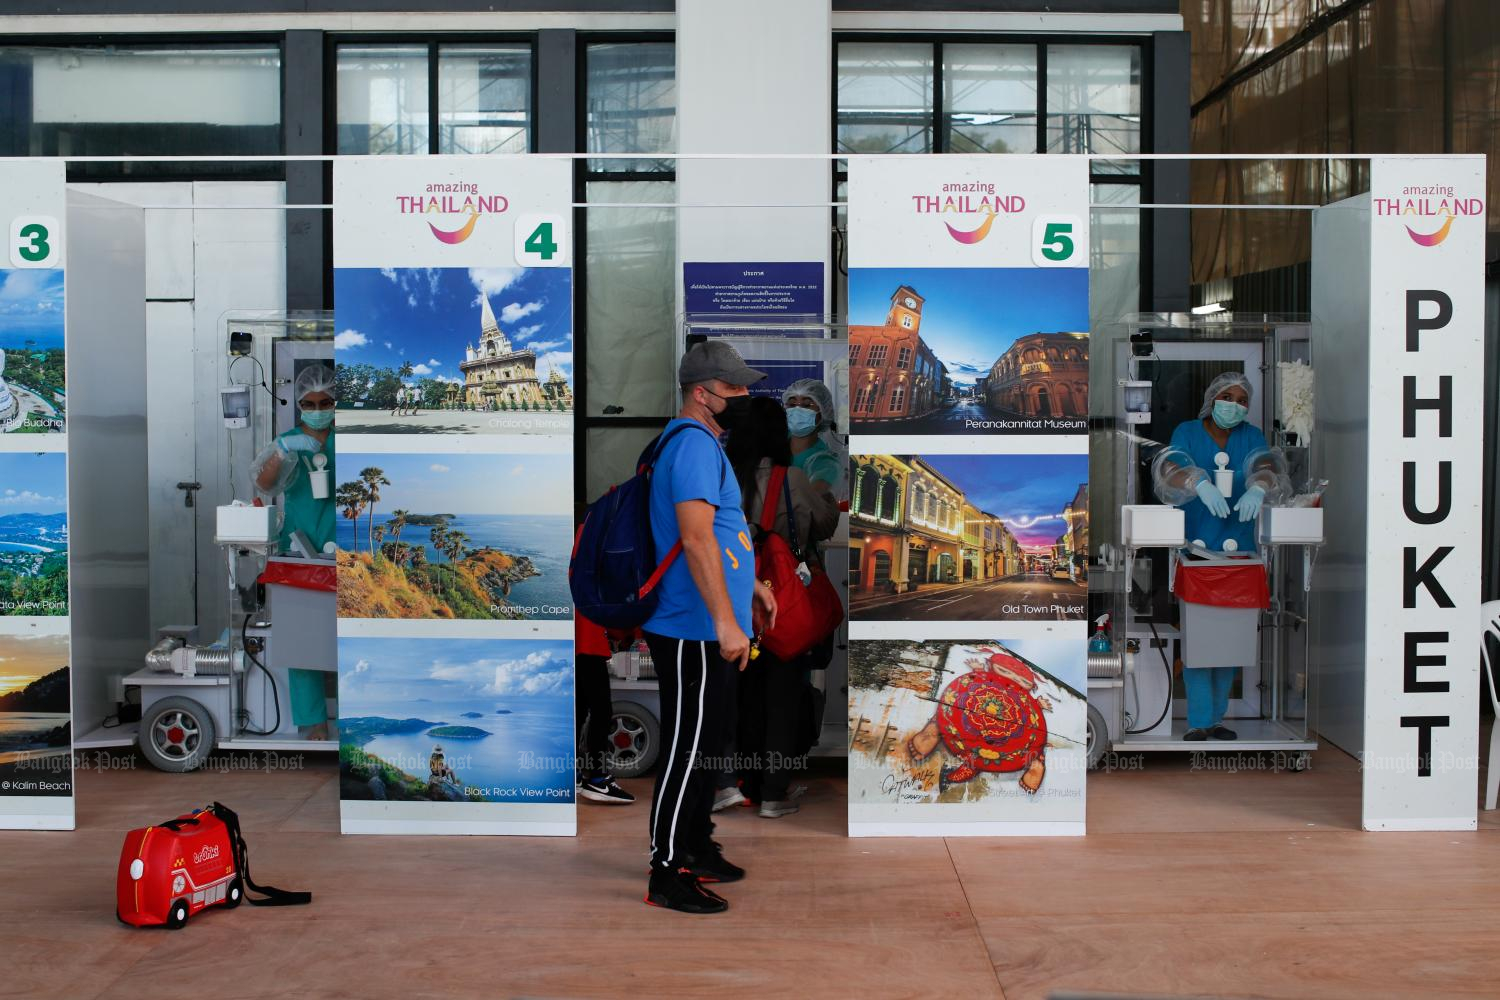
pixel 1221 586
pixel 323 576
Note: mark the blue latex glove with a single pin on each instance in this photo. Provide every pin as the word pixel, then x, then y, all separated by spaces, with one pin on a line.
pixel 297 442
pixel 1249 505
pixel 1213 499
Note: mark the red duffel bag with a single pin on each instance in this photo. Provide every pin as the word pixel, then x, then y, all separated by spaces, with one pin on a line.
pixel 806 614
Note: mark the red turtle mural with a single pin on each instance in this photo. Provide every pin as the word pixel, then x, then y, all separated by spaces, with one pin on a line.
pixel 992 720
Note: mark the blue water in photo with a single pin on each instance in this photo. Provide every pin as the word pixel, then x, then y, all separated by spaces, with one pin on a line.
pixel 547 540
pixel 530 749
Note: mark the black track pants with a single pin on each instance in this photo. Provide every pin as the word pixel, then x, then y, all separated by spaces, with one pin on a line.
pixel 694 681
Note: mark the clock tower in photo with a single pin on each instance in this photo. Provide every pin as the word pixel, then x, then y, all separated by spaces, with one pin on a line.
pixel 906 310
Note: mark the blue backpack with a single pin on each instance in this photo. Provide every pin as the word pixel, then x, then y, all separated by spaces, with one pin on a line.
pixel 615 569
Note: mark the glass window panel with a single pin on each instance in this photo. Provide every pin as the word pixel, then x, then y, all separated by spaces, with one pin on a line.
pixel 1094 102
pixel 630 103
pixel 990 98
pixel 382 99
pixel 884 97
pixel 484 99
pixel 1114 279
pixel 224 100
pixel 630 300
pixel 610 454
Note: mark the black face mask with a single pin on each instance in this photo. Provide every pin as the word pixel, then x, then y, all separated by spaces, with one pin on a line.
pixel 736 409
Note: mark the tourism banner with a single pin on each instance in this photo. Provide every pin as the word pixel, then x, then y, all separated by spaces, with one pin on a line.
pixel 1426 388
pixel 968 387
pixel 454 366
pixel 36 733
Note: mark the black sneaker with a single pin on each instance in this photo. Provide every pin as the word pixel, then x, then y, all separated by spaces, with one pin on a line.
pixel 604 789
pixel 679 890
pixel 1223 733
pixel 710 865
pixel 1195 735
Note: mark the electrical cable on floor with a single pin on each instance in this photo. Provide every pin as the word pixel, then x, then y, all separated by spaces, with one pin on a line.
pixel 276 700
pixel 1161 651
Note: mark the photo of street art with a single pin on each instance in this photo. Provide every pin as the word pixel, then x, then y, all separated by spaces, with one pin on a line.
pixel 999 725
pixel 454 350
pixel 968 537
pixel 968 350
pixel 33 393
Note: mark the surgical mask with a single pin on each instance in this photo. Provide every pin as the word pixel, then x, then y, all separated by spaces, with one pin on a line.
pixel 1228 414
pixel 318 420
pixel 801 421
pixel 736 409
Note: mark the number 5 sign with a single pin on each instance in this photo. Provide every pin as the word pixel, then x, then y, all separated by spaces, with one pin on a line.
pixel 35 241
pixel 1054 241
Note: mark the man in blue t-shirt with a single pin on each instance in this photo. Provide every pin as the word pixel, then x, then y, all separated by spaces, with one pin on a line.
pixel 703 621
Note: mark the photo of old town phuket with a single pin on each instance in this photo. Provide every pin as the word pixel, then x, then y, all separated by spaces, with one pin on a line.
pixel 968 350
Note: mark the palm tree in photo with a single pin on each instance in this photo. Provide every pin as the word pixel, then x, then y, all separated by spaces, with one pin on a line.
pixel 352 497
pixel 373 478
pixel 439 536
pixel 378 533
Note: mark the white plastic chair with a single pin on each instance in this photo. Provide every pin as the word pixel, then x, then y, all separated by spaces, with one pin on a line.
pixel 1490 619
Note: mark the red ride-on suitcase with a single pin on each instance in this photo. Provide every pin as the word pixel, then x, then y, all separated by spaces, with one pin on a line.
pixel 171 871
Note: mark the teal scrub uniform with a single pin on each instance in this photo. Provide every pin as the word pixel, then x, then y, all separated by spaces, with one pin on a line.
pixel 819 462
pixel 317 520
pixel 1208 687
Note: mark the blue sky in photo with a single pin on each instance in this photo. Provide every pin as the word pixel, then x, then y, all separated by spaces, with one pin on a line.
pixel 33 484
pixel 31 307
pixel 1065 659
pixel 387 316
pixel 1028 492
pixel 397 677
pixel 469 483
pixel 970 316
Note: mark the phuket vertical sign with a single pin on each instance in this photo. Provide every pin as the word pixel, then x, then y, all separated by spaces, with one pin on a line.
pixel 1427 243
pixel 454 364
pixel 36 733
pixel 968 382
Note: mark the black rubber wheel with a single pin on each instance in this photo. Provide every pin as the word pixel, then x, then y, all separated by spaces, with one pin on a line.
pixel 1098 737
pixel 177 915
pixel 234 895
pixel 177 734
pixel 634 740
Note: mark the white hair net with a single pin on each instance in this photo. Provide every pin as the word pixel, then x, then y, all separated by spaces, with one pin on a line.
pixel 313 378
pixel 1221 383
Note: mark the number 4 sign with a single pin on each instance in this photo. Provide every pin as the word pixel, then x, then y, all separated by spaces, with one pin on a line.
pixel 1054 241
pixel 542 241
pixel 34 241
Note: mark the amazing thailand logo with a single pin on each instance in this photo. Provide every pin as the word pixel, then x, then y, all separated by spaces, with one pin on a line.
pixel 969 198
pixel 457 198
pixel 1430 203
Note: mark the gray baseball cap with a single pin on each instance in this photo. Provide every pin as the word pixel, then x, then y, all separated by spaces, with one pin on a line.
pixel 716 359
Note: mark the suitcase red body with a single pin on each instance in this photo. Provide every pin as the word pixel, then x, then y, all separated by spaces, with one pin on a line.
pixel 172 871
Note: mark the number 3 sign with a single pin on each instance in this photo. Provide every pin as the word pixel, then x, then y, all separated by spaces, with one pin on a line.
pixel 34 241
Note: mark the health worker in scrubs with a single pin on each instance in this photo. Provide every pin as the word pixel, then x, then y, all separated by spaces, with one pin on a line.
pixel 286 468
pixel 816 447
pixel 1214 520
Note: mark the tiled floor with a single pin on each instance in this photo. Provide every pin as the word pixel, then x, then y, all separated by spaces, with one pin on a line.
pixel 1188 883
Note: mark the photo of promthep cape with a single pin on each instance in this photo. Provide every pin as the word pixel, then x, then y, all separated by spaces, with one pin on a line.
pixel 469 536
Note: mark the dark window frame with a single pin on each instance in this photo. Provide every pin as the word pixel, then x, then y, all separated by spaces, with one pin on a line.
pixel 433 42
pixel 169 172
pixel 1142 178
